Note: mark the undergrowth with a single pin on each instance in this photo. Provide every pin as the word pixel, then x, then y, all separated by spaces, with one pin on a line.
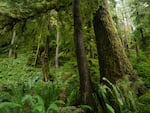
pixel 19 93
pixel 142 65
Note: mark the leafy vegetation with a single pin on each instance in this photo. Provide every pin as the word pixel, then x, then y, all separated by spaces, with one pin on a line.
pixel 21 94
pixel 43 69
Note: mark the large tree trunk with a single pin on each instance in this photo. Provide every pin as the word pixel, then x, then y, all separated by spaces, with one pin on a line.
pixel 113 61
pixel 85 80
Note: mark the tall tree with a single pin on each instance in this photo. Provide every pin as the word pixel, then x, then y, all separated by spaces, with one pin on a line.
pixel 113 61
pixel 85 80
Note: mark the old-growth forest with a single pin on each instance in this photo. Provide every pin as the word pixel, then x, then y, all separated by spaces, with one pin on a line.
pixel 74 56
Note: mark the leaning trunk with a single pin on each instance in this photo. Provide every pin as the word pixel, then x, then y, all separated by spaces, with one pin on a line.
pixel 85 81
pixel 113 61
pixel 45 62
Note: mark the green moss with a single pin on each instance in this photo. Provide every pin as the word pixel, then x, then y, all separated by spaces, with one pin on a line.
pixel 113 61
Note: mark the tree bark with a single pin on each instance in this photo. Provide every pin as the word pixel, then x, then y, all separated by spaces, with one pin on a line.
pixel 37 51
pixel 140 29
pixel 113 61
pixel 12 50
pixel 45 62
pixel 85 80
pixel 136 49
pixel 57 48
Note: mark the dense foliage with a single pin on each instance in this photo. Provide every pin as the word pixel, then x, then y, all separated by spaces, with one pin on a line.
pixel 36 37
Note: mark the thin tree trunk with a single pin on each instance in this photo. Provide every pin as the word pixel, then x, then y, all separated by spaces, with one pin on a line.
pixel 45 62
pixel 126 27
pixel 113 61
pixel 57 48
pixel 91 52
pixel 12 50
pixel 37 51
pixel 85 80
pixel 142 36
pixel 140 29
pixel 136 48
pixel 89 26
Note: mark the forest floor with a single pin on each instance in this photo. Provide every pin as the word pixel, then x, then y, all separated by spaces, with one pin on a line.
pixel 17 79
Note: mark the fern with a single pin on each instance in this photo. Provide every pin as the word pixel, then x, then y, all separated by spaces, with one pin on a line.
pixel 7 107
pixel 35 102
pixel 53 107
pixel 118 97
pixel 110 109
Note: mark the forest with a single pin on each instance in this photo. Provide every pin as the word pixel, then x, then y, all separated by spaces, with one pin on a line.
pixel 74 56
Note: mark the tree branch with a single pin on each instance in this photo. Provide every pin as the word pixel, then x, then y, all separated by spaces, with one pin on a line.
pixel 29 12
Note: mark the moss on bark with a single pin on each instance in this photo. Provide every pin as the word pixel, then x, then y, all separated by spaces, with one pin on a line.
pixel 112 58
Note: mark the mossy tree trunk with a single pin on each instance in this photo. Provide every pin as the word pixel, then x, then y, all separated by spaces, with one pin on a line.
pixel 85 80
pixel 113 61
pixel 45 61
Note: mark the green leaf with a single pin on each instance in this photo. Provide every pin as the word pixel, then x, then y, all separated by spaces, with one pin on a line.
pixel 110 109
pixel 39 109
pixel 86 107
pixel 9 105
pixel 54 107
pixel 60 102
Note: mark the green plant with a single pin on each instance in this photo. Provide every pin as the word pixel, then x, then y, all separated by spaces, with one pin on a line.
pixel 141 64
pixel 145 102
pixel 9 107
pixel 118 97
pixel 34 103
